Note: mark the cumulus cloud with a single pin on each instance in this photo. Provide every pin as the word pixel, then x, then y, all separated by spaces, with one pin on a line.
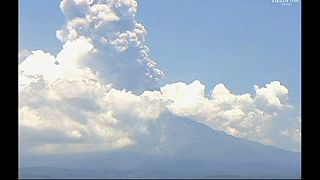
pixel 100 91
pixel 272 96
pixel 60 97
pixel 239 115
pixel 83 112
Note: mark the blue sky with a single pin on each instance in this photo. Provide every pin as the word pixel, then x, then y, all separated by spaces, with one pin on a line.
pixel 238 43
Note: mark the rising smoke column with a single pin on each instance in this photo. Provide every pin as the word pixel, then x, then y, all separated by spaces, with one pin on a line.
pixel 101 90
pixel 120 55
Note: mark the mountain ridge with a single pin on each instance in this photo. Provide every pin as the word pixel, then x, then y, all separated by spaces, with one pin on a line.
pixel 176 147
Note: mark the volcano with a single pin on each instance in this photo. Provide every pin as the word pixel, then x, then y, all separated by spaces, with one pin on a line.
pixel 173 148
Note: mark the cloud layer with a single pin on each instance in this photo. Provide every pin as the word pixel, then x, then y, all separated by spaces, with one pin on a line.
pixel 100 91
pixel 242 115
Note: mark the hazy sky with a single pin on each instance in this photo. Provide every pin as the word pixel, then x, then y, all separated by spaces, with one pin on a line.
pixel 237 43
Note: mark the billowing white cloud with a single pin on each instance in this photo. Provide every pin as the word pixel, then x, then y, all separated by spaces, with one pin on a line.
pixel 63 96
pixel 272 96
pixel 185 100
pixel 100 91
pixel 83 112
pixel 238 115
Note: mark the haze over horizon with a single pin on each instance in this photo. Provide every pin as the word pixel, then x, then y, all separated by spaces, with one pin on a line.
pixel 213 89
pixel 105 51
